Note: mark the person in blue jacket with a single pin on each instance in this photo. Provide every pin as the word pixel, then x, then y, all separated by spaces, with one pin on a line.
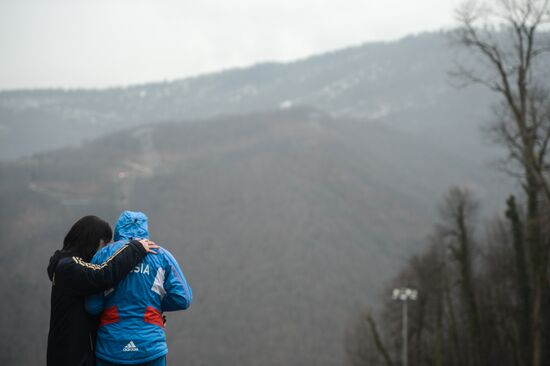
pixel 131 328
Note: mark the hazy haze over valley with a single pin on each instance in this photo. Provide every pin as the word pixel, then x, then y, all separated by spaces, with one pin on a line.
pixel 289 192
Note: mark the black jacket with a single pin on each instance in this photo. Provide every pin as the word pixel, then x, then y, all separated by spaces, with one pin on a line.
pixel 70 339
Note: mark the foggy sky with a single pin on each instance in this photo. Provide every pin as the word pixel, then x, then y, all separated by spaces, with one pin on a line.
pixel 98 43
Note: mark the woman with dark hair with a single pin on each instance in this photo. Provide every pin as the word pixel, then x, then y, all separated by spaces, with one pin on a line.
pixel 71 335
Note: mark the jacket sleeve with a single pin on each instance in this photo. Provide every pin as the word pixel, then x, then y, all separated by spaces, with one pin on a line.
pixel 178 293
pixel 95 303
pixel 87 278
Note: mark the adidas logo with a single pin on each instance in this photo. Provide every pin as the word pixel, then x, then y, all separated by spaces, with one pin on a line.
pixel 130 347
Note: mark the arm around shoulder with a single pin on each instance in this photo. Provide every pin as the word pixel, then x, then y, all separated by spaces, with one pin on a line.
pixel 87 278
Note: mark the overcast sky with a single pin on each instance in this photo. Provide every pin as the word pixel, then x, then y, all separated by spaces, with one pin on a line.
pixel 97 43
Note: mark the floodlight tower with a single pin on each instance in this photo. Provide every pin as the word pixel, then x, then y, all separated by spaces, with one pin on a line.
pixel 405 295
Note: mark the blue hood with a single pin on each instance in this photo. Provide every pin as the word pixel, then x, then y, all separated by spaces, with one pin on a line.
pixel 131 225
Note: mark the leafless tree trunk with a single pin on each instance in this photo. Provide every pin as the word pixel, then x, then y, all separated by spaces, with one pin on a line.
pixel 364 344
pixel 458 212
pixel 523 283
pixel 378 341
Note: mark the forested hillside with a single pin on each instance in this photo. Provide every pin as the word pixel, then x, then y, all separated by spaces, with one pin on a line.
pixel 286 224
pixel 403 84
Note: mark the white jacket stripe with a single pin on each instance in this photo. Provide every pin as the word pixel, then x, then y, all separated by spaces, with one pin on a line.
pixel 158 284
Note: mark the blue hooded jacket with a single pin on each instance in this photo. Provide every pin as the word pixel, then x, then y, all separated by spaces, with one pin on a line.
pixel 131 329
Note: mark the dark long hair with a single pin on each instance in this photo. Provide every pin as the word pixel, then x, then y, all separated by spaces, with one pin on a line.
pixel 84 237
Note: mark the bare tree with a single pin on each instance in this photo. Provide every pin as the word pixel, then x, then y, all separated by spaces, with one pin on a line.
pixel 507 38
pixel 459 212
pixel 522 281
pixel 364 344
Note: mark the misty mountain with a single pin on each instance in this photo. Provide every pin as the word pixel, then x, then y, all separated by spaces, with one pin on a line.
pixel 286 224
pixel 402 84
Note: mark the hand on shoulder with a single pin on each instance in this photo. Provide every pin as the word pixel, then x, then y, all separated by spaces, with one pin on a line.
pixel 148 245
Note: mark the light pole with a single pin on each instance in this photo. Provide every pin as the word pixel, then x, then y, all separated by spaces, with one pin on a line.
pixel 404 295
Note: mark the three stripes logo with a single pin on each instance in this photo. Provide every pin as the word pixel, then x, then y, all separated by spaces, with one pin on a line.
pixel 130 347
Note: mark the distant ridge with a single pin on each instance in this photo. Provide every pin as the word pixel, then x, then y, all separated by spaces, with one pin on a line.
pixel 403 84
